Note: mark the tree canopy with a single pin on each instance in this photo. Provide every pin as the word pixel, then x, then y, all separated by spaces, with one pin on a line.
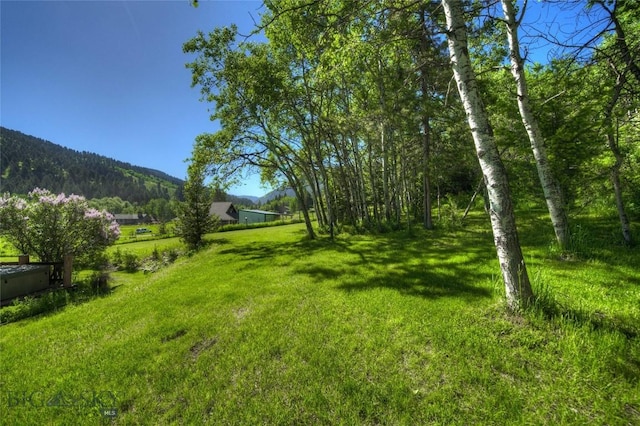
pixel 353 104
pixel 52 226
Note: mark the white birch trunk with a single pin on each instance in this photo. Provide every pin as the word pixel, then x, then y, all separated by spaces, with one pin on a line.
pixel 550 187
pixel 512 265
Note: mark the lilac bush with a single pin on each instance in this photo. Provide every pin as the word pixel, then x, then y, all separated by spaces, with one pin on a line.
pixel 51 226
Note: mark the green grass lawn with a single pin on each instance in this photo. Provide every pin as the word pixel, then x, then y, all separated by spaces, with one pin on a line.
pixel 128 233
pixel 8 251
pixel 144 248
pixel 266 327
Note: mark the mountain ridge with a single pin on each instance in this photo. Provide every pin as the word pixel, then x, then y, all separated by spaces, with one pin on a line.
pixel 27 162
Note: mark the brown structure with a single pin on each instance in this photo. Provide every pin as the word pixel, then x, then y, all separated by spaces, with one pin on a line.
pixel 133 219
pixel 225 211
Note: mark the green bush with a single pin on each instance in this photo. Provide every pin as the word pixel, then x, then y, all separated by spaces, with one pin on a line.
pixel 124 260
pixel 240 226
pixel 30 306
pixel 158 260
pixel 130 262
pixel 450 214
pixel 95 261
pixel 170 256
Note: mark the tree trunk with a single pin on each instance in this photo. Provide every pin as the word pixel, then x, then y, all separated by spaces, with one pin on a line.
pixel 426 184
pixel 300 196
pixel 68 270
pixel 473 199
pixel 505 235
pixel 396 191
pixel 612 141
pixel 384 135
pixel 316 192
pixel 426 128
pixel 617 189
pixel 326 184
pixel 374 187
pixel 385 175
pixel 439 204
pixel 549 184
pixel 364 209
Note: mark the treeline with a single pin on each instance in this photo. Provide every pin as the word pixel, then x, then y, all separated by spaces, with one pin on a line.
pixel 356 104
pixel 380 108
pixel 28 162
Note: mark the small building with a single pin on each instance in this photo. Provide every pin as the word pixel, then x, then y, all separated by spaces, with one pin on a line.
pixel 133 219
pixel 225 211
pixel 257 216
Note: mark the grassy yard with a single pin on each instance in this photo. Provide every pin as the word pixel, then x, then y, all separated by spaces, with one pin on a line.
pixel 128 233
pixel 266 327
pixel 144 248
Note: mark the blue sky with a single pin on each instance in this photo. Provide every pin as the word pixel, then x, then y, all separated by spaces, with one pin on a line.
pixel 109 77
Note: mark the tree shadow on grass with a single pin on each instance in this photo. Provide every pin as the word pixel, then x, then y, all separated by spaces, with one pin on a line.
pixel 624 363
pixel 552 310
pixel 421 283
pixel 426 265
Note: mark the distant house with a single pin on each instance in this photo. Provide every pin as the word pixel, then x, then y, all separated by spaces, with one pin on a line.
pixel 133 219
pixel 225 211
pixel 257 216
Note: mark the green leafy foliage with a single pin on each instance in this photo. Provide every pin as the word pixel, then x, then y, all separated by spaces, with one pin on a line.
pixel 52 226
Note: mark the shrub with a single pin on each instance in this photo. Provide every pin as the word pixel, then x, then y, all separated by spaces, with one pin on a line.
pixel 450 215
pixel 51 226
pixel 130 262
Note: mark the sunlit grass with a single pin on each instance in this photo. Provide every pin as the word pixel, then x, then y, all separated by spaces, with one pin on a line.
pixel 8 253
pixel 128 233
pixel 147 247
pixel 267 327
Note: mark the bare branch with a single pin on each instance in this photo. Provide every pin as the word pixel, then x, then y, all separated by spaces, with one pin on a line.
pixel 552 97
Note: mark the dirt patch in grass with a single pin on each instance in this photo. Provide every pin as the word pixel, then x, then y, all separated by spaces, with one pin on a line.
pixel 241 313
pixel 201 346
pixel 174 335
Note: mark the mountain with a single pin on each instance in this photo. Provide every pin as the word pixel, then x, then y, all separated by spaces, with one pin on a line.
pixel 27 162
pixel 277 193
pixel 252 198
pixel 241 200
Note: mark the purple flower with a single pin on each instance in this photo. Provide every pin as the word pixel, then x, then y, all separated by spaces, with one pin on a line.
pixel 92 214
pixel 37 192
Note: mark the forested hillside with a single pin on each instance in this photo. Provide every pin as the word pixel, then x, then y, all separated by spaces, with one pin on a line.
pixel 27 162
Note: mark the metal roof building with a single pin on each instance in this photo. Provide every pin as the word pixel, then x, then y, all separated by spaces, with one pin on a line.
pixel 256 216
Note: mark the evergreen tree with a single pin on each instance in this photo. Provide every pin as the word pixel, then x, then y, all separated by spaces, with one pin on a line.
pixel 194 220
